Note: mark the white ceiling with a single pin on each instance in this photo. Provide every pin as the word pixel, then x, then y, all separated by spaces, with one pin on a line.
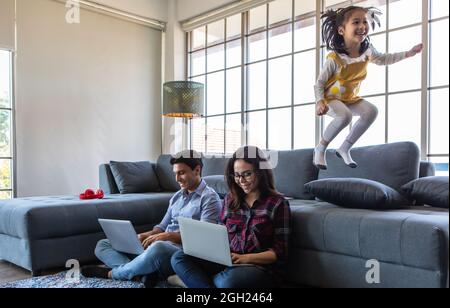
pixel 156 9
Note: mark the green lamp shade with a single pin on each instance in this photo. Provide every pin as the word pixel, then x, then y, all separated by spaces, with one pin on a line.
pixel 183 99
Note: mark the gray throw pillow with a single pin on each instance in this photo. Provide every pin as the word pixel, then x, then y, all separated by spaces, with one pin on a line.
pixel 138 177
pixel 432 191
pixel 356 193
pixel 218 183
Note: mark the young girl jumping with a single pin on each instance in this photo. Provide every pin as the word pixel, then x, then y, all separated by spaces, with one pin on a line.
pixel 346 33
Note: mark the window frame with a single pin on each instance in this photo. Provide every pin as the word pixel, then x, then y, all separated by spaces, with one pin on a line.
pixel 424 90
pixel 11 109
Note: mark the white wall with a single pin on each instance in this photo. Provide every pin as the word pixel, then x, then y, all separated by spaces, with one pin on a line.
pixel 87 93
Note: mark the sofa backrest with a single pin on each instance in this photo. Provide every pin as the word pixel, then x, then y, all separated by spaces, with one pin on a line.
pixel 391 164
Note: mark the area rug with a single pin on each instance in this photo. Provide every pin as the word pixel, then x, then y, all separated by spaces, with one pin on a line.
pixel 59 281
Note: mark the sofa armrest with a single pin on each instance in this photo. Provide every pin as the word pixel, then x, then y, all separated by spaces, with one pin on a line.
pixel 427 169
pixel 107 182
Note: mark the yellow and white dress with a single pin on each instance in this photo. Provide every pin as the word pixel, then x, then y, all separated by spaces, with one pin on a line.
pixel 341 76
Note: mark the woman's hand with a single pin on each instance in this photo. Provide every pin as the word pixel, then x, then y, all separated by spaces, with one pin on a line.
pixel 414 51
pixel 155 238
pixel 321 108
pixel 240 259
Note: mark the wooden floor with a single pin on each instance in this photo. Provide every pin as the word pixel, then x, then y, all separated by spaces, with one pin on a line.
pixel 9 272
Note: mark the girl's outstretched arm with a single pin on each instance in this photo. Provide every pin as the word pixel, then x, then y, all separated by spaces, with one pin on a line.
pixel 414 51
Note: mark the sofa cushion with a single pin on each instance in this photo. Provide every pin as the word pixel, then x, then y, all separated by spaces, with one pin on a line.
pixel 134 177
pixel 214 165
pixel 292 170
pixel 217 182
pixel 356 193
pixel 55 217
pixel 432 191
pixel 416 236
pixel 164 171
pixel 393 164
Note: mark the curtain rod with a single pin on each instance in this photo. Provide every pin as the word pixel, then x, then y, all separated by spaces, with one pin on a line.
pixel 94 6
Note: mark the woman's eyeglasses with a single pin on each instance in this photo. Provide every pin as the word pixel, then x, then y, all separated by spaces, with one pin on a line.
pixel 246 175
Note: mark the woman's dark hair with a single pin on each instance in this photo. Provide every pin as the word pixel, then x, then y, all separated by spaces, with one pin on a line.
pixel 266 183
pixel 333 19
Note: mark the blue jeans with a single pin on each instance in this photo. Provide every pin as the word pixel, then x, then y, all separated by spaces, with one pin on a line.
pixel 155 259
pixel 197 273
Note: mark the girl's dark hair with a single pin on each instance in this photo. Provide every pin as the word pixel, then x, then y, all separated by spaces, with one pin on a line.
pixel 266 183
pixel 333 19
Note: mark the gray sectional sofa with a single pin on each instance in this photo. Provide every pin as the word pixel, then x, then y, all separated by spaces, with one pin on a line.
pixel 330 246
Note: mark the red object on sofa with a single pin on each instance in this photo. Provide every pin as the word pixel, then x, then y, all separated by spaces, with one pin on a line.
pixel 89 194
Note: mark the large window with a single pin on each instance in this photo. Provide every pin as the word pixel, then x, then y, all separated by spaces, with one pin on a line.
pixel 260 67
pixel 6 148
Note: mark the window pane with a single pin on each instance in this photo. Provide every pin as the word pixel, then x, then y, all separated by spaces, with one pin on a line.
pixel 198 134
pixel 305 34
pixel 234 24
pixel 257 19
pixel 439 122
pixel 280 129
pixel 256 75
pixel 5 79
pixel 198 38
pixel 377 132
pixel 257 47
pixel 404 12
pixel 216 135
pixel 256 129
pixel 5 195
pixel 439 8
pixel 280 82
pixel 280 41
pixel 405 75
pixel 441 164
pixel 305 77
pixel 280 11
pixel 234 79
pixel 303 7
pixel 216 58
pixel 234 53
pixel 375 82
pixel 216 93
pixel 5 133
pixel 216 32
pixel 5 174
pixel 404 117
pixel 198 63
pixel 439 53
pixel 305 127
pixel 233 136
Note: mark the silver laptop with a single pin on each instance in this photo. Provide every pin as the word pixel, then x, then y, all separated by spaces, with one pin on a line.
pixel 206 241
pixel 122 236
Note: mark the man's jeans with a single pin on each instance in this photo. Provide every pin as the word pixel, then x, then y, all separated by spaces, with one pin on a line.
pixel 155 259
pixel 197 273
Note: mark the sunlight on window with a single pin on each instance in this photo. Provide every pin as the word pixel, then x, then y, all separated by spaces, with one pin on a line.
pixel 404 13
pixel 198 38
pixel 280 41
pixel 439 119
pixel 404 118
pixel 215 93
pixel 405 75
pixel 216 135
pixel 256 75
pixel 305 34
pixel 234 53
pixel 280 11
pixel 216 32
pixel 256 129
pixel 216 58
pixel 377 132
pixel 257 19
pixel 234 24
pixel 5 95
pixel 198 135
pixel 234 90
pixel 439 53
pixel 439 8
pixel 304 77
pixel 304 127
pixel 233 133
pixel 280 129
pixel 257 47
pixel 280 82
